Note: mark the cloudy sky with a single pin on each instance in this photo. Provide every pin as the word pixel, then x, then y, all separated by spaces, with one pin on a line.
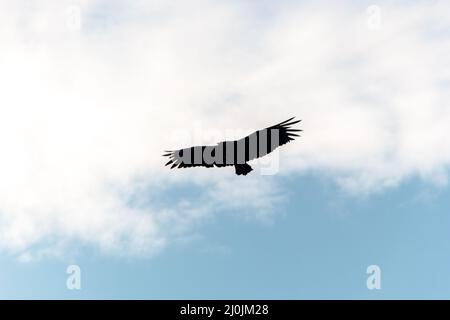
pixel 93 92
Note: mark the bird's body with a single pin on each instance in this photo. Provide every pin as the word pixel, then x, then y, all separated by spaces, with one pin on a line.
pixel 235 153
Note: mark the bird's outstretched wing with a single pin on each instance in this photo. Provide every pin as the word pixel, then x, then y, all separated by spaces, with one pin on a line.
pixel 188 157
pixel 228 153
pixel 264 141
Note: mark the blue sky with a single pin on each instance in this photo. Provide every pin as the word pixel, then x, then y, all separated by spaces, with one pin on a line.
pixel 95 90
pixel 318 247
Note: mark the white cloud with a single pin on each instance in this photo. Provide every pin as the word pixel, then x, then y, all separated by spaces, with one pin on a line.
pixel 84 113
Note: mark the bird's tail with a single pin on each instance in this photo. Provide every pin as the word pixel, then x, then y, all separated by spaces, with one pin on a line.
pixel 242 169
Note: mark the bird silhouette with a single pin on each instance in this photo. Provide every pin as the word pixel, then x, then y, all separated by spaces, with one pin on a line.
pixel 235 153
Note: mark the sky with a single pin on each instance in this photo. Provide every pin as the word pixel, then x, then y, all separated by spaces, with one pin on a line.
pixel 94 91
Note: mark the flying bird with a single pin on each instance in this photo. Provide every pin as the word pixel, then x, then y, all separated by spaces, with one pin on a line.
pixel 235 153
